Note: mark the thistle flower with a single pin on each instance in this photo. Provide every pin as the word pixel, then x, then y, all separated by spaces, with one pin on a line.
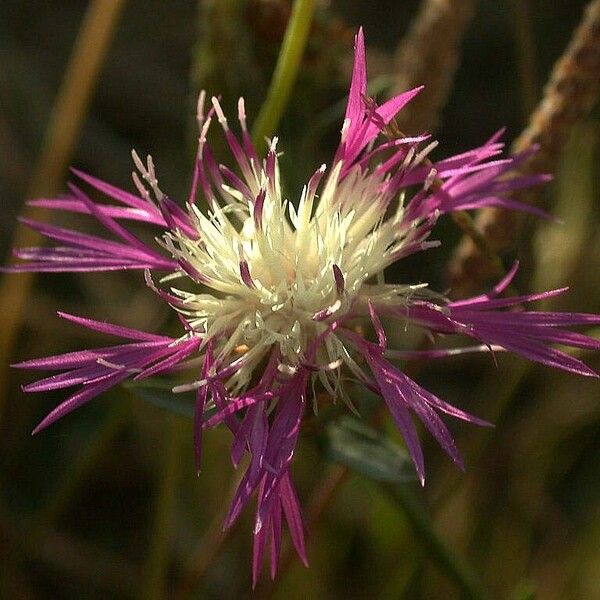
pixel 269 292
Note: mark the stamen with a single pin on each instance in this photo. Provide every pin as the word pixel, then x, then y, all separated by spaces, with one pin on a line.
pixel 242 113
pixel 200 109
pixel 287 369
pixel 430 179
pixel 423 154
pixel 220 114
pixel 330 366
pixel 140 187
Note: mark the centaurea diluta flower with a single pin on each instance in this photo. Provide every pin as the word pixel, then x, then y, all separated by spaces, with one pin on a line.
pixel 269 292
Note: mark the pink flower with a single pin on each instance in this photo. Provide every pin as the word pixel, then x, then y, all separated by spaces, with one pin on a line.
pixel 287 282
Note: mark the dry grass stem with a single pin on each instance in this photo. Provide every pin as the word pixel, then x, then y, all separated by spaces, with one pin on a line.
pixel 569 95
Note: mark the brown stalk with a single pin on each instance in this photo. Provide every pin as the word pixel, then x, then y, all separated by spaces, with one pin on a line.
pixel 429 54
pixel 570 94
pixel 64 127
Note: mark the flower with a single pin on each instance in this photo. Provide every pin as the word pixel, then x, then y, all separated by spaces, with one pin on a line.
pixel 269 292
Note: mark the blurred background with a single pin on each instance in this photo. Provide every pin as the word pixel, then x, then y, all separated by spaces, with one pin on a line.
pixel 106 504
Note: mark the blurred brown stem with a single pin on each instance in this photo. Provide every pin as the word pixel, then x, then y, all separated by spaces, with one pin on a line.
pixel 429 54
pixel 64 127
pixel 569 95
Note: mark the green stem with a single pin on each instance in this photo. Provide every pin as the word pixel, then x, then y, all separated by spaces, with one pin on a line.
pixel 166 500
pixel 286 71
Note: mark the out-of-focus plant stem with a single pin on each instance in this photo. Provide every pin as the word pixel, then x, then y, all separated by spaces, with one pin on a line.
pixel 561 252
pixel 467 224
pixel 286 71
pixel 153 586
pixel 208 549
pixel 525 49
pixel 429 54
pixel 569 95
pixel 66 120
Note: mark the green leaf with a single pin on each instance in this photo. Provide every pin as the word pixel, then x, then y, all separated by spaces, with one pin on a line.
pixel 363 449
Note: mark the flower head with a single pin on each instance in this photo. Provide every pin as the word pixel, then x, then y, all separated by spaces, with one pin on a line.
pixel 270 291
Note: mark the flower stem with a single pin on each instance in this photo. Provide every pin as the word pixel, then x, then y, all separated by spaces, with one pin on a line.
pixel 62 133
pixel 207 551
pixel 286 71
pixel 469 228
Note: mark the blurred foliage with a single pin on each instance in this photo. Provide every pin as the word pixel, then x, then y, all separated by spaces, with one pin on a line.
pixel 106 503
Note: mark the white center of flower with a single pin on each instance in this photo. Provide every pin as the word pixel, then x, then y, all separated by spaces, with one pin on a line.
pixel 278 276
